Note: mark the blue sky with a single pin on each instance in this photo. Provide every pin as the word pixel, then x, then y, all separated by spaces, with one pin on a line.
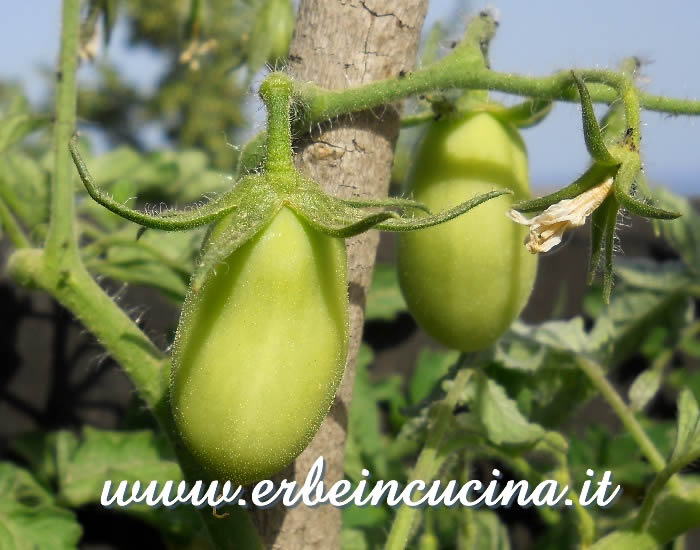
pixel 535 37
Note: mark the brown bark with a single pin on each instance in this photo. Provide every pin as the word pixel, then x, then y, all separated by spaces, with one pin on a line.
pixel 340 43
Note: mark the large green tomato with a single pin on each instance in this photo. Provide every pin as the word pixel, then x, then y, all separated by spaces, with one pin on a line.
pixel 467 279
pixel 260 351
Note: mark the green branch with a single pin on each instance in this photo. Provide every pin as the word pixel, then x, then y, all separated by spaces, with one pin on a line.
pixel 454 72
pixel 427 463
pixel 595 373
pixel 61 242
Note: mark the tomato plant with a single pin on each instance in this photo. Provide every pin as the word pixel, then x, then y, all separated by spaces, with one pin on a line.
pixel 466 280
pixel 269 307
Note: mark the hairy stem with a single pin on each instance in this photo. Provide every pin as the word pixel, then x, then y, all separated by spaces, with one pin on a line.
pixel 12 227
pixel 276 92
pixel 453 72
pixel 427 462
pixel 61 243
pixel 652 496
pixel 595 373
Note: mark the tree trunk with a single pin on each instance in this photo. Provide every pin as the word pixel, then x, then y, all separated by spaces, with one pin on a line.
pixel 341 43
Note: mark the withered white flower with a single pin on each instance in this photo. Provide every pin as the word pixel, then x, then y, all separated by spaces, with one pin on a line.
pixel 547 228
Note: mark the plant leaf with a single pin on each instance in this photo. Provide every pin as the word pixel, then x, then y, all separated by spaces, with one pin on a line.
pixel 29 517
pixel 687 448
pixel 384 300
pixel 683 234
pixel 16 127
pixel 499 414
pixel 644 388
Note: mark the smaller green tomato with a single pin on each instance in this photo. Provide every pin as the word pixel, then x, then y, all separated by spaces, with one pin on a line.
pixel 466 280
pixel 260 351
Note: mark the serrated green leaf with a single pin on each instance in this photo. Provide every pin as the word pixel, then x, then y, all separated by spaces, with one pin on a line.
pixel 108 455
pixel 16 127
pixel 676 513
pixel 160 260
pixel 38 450
pixel 29 518
pixel 489 532
pixel 684 233
pixel 366 516
pixel 84 464
pixel 384 300
pixel 644 388
pixel 364 425
pixel 499 414
pixel 24 186
pixel 431 366
pixel 568 336
pixel 600 449
pixel 687 448
pixel 621 328
pixel 647 274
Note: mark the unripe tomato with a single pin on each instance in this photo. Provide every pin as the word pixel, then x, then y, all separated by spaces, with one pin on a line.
pixel 466 280
pixel 260 351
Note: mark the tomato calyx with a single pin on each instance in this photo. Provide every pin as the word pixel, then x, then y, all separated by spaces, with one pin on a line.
pixel 614 180
pixel 239 214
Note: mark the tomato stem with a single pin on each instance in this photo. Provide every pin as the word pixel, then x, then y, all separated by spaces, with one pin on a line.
pixel 61 243
pixel 276 92
pixel 428 460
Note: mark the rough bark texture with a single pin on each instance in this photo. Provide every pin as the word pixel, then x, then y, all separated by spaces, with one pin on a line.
pixel 340 43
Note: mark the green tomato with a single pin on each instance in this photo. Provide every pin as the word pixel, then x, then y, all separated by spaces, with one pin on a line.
pixel 260 351
pixel 466 280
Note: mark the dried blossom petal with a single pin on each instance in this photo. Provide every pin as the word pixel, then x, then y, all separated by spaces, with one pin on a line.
pixel 547 228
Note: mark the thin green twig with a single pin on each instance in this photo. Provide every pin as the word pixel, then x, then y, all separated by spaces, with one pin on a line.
pixel 451 72
pixel 425 468
pixel 595 373
pixel 61 242
pixel 12 227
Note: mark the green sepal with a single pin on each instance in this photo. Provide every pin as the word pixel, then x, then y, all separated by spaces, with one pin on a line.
pixel 432 44
pixel 168 221
pixel 603 221
pixel 259 203
pixel 526 114
pixel 411 224
pixel 252 155
pixel 596 174
pixel 591 131
pixel 624 181
pixel 598 224
pixel 330 215
pixel 390 202
pixel 610 222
